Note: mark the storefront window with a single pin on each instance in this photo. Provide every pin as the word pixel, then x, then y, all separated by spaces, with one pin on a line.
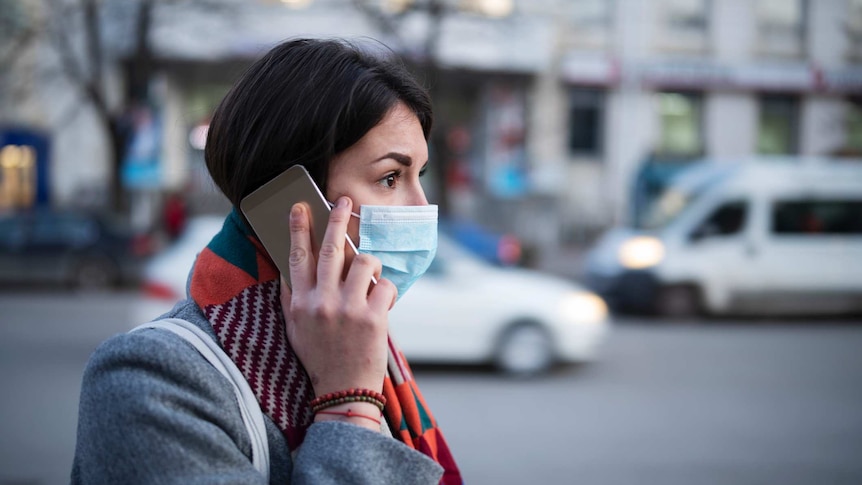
pixel 781 27
pixel 681 121
pixel 17 176
pixel 779 125
pixel 585 121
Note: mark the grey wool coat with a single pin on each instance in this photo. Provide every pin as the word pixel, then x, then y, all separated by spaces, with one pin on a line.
pixel 154 411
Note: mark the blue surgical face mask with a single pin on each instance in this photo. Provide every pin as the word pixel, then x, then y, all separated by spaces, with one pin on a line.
pixel 403 238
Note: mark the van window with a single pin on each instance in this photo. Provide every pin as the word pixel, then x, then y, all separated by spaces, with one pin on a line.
pixel 817 217
pixel 679 190
pixel 728 219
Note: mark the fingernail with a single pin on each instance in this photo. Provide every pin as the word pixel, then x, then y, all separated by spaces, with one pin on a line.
pixel 295 211
pixel 343 202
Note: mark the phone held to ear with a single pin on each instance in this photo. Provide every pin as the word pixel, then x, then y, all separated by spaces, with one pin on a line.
pixel 267 210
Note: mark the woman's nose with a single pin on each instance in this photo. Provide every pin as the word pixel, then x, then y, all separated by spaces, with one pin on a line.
pixel 417 197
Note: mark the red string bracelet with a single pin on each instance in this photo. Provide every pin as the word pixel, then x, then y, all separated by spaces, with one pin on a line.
pixel 350 414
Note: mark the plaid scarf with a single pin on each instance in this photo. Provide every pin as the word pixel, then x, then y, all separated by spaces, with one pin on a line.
pixel 236 285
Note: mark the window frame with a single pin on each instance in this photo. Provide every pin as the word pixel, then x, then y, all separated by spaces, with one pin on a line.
pixel 595 98
pixel 592 31
pixel 685 38
pixel 766 48
pixel 699 99
pixel 795 114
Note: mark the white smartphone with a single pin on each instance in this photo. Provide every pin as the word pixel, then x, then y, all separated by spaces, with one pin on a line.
pixel 267 210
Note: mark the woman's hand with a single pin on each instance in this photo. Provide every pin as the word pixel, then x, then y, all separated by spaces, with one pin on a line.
pixel 338 328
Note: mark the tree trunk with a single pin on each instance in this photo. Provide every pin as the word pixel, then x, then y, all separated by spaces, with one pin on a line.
pixel 117 136
pixel 141 61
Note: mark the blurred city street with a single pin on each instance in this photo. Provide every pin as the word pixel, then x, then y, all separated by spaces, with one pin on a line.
pixel 651 157
pixel 715 402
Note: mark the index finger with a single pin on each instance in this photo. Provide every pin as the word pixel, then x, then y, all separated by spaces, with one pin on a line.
pixel 330 265
pixel 301 258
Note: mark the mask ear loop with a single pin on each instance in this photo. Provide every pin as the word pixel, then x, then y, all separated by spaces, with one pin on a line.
pixel 332 206
pixel 350 241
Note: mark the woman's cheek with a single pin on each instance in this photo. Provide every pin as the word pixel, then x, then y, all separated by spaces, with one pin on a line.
pixel 353 233
pixel 353 228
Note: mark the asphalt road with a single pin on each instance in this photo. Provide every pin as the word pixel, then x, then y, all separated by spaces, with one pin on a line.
pixel 721 403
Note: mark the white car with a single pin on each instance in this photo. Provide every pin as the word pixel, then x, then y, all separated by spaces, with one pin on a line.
pixel 164 277
pixel 463 310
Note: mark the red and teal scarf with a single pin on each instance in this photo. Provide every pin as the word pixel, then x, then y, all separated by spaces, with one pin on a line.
pixel 236 285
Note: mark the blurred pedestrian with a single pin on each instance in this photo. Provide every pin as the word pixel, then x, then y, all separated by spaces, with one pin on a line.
pixel 339 400
pixel 174 215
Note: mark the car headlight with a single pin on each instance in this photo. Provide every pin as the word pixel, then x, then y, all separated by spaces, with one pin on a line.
pixel 641 252
pixel 584 307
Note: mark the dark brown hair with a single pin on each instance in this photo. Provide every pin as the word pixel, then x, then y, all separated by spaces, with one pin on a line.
pixel 304 102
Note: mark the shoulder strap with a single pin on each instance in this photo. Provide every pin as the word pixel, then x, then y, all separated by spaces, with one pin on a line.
pixel 249 408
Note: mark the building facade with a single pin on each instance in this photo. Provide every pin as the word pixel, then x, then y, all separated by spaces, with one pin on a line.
pixel 548 112
pixel 679 80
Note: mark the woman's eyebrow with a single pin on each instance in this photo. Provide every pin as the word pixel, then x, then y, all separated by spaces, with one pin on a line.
pixel 401 158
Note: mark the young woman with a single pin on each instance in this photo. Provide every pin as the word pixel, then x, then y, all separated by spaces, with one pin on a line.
pixel 339 401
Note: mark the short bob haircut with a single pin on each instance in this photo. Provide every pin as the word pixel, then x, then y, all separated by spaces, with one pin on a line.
pixel 304 102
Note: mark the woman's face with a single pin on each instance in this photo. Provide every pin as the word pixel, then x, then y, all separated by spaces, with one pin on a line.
pixel 383 167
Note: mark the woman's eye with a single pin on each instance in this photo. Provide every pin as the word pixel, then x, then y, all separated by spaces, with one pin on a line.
pixel 390 180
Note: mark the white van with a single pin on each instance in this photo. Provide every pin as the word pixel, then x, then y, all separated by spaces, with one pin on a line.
pixel 760 236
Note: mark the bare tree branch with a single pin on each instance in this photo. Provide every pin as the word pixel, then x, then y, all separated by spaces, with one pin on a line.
pixel 93 39
pixel 386 23
pixel 60 39
pixel 18 31
pixel 15 47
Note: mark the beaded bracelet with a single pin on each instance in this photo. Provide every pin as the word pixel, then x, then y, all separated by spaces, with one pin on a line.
pixel 341 400
pixel 350 395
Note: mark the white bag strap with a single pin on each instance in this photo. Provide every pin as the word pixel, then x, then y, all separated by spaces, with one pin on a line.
pixel 249 408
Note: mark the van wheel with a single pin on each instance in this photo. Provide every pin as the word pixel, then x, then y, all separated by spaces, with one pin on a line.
pixel 679 301
pixel 524 350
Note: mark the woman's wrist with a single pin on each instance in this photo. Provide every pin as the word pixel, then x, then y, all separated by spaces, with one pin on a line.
pixel 363 414
pixel 338 381
pixel 348 396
